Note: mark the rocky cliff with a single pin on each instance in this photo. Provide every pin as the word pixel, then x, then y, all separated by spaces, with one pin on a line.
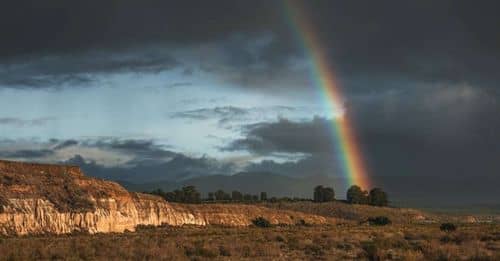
pixel 43 198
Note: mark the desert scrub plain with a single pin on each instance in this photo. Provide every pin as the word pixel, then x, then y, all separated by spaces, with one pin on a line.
pixel 345 241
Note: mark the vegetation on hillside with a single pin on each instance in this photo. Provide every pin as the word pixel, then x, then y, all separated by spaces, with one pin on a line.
pixel 355 195
pixel 345 242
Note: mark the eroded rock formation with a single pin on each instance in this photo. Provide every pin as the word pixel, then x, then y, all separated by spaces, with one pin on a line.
pixel 43 198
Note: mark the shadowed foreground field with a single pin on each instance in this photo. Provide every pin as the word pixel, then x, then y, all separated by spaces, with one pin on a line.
pixel 334 242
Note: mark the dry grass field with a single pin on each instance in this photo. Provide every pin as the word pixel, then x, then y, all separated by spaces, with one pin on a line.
pixel 298 242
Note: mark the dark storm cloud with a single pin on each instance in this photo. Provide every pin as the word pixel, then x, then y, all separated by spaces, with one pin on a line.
pixel 16 148
pixel 178 168
pixel 22 122
pixel 148 161
pixel 374 46
pixel 447 131
pixel 81 69
pixel 141 150
pixel 27 154
pixel 286 136
pixel 62 27
pixel 65 144
pixel 388 41
pixel 316 164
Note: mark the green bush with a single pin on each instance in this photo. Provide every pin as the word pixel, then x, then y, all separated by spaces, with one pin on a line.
pixel 448 227
pixel 379 221
pixel 302 223
pixel 261 222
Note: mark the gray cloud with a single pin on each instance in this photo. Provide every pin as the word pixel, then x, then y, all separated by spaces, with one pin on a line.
pixel 233 117
pixel 22 122
pixel 286 136
pixel 254 45
pixel 142 160
pixel 179 84
pixel 141 150
pixel 27 154
pixel 65 144
pixel 227 112
pixel 447 131
pixel 81 69
pixel 179 168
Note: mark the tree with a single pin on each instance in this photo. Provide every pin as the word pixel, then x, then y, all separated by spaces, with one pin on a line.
pixel 219 194
pixel 255 198
pixel 179 195
pixel 187 194
pixel 170 196
pixel 263 196
pixel 323 194
pixel 236 195
pixel 247 197
pixel 191 195
pixel 318 194
pixel 211 196
pixel 328 194
pixel 378 197
pixel 355 195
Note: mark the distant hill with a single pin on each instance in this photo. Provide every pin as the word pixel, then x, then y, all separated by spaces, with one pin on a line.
pixel 248 182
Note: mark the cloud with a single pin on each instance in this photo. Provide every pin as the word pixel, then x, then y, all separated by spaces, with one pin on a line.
pixel 438 130
pixel 286 136
pixel 232 117
pixel 179 84
pixel 140 150
pixel 17 122
pixel 114 27
pixel 253 45
pixel 65 144
pixel 120 159
pixel 226 112
pixel 81 69
pixel 26 154
pixel 179 168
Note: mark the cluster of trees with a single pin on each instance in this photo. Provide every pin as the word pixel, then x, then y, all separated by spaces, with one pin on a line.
pixel 355 195
pixel 221 195
pixel 376 196
pixel 187 194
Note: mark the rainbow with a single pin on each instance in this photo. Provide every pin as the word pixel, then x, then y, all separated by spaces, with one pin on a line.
pixel 324 78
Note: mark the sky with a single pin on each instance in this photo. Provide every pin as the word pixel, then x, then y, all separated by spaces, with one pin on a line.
pixel 169 90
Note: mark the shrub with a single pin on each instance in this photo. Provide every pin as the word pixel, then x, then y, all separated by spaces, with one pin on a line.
pixel 302 223
pixel 379 221
pixel 448 227
pixel 280 238
pixel 263 196
pixel 378 197
pixel 261 222
pixel 355 195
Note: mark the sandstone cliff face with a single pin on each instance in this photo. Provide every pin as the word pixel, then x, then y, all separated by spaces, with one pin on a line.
pixel 40 198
